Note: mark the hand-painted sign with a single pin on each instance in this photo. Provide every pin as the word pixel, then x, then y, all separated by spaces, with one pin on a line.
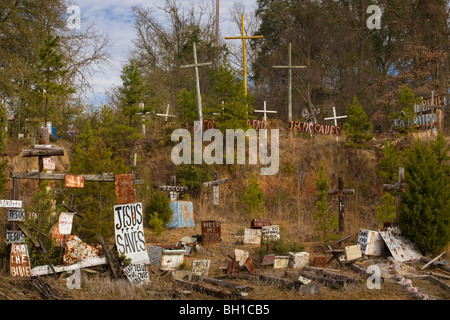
pixel 371 242
pixel 129 232
pixel 16 215
pixel 270 233
pixel 19 263
pixel 311 128
pixel 65 223
pixel 183 215
pixel 15 236
pixel 211 232
pixel 353 252
pixel 10 203
pixel 49 164
pixel 401 248
pixel 74 181
pixel 252 236
pixel 124 188
pixel 137 273
pixel 199 267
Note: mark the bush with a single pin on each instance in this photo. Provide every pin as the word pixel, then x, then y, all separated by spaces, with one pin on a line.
pixel 253 199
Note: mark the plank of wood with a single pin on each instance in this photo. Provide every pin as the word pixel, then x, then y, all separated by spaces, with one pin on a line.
pixel 431 261
pixel 219 282
pixel 104 177
pixel 440 283
pixel 211 291
pixel 42 152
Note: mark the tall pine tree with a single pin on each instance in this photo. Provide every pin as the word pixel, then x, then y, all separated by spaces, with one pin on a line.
pixel 357 127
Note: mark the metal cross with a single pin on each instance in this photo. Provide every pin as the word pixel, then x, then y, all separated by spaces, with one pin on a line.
pixel 289 67
pixel 244 51
pixel 197 82
pixel 334 117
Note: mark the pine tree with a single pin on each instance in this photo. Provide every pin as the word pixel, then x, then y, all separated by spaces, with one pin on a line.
pixel 253 199
pixel 389 164
pixel 326 223
pixel 158 212
pixel 425 209
pixel 132 91
pixel 406 113
pixel 357 126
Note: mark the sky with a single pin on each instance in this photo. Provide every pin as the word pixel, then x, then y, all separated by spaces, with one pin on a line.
pixel 114 19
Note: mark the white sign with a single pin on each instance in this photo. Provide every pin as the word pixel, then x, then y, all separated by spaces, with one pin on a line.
pixel 252 236
pixel 401 248
pixel 86 263
pixel 129 232
pixel 371 242
pixel 137 274
pixel 65 223
pixel 16 215
pixel 200 266
pixel 49 164
pixel 353 252
pixel 271 233
pixel 15 236
pixel 10 203
pixel 298 260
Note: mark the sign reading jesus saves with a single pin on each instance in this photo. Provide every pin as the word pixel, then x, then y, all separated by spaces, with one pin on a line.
pixel 129 232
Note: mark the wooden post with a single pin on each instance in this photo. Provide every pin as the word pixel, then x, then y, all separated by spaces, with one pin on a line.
pixel 289 67
pixel 197 83
pixel 340 192
pixel 399 186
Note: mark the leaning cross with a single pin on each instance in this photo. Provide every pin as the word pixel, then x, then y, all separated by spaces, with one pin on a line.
pixel 174 189
pixel 399 186
pixel 243 37
pixel 334 117
pixel 340 191
pixel 215 184
pixel 289 67
pixel 197 82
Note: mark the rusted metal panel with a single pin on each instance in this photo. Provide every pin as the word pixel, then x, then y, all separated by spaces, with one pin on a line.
pixel 320 262
pixel 211 232
pixel 233 267
pixel 371 242
pixel 124 188
pixel 76 250
pixel 74 181
pixel 268 260
pixel 249 265
pixel 298 260
pixel 401 248
pixel 252 236
pixel 241 256
pixel 183 215
pixel 258 223
pixel 271 233
pixel 19 263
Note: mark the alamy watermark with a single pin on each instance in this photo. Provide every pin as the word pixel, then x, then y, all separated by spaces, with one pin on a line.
pixel 374 21
pixel 74 20
pixel 213 153
pixel 374 281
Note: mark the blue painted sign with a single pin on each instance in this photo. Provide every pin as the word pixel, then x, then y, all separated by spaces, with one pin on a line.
pixel 183 215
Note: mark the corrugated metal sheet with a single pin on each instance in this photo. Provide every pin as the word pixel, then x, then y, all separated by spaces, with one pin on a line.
pixel 401 248
pixel 183 215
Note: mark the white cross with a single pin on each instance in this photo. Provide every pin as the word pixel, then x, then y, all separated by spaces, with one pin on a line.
pixel 335 119
pixel 265 111
pixel 165 114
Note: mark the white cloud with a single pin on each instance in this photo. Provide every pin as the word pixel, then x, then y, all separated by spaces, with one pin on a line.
pixel 114 18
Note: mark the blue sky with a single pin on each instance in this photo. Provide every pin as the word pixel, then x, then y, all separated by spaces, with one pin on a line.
pixel 114 19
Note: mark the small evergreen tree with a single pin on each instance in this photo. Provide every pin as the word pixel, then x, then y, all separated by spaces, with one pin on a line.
pixel 158 212
pixel 253 198
pixel 326 223
pixel 406 102
pixel 389 164
pixel 357 126
pixel 425 209
pixel 387 211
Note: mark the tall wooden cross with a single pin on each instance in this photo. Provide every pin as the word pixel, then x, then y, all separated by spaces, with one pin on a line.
pixel 334 117
pixel 197 82
pixel 215 184
pixel 243 37
pixel 174 189
pixel 399 186
pixel 265 111
pixel 340 192
pixel 289 67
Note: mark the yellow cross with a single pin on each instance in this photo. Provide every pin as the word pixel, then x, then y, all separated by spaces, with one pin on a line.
pixel 244 37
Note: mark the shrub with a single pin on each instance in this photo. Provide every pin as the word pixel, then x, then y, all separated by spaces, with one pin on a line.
pixel 158 212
